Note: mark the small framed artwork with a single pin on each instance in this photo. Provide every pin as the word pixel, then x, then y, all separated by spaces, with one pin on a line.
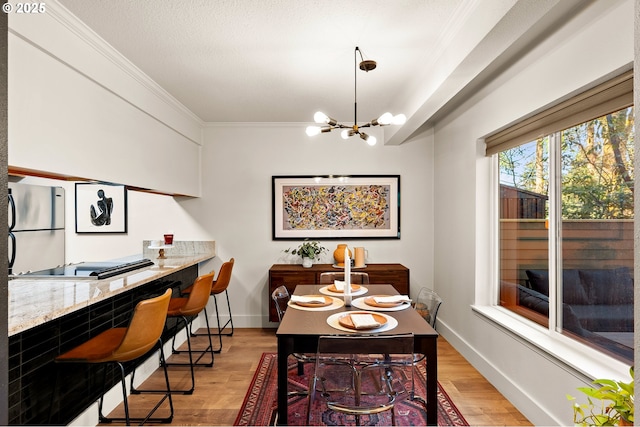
pixel 101 208
pixel 336 207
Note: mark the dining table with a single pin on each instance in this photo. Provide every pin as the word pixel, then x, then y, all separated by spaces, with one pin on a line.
pixel 300 330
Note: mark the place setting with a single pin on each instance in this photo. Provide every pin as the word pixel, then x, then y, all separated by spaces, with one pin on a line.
pixel 314 302
pixel 362 321
pixel 337 289
pixel 382 302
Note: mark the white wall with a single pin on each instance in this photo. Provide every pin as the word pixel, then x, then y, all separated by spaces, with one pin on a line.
pixel 78 108
pixel 238 163
pixel 595 43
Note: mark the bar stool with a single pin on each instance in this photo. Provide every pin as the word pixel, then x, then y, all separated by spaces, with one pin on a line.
pixel 185 310
pixel 120 345
pixel 218 286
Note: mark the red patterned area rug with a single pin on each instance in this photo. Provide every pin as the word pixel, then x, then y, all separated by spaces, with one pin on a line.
pixel 260 404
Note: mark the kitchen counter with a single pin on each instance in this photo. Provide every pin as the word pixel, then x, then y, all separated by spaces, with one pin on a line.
pixel 48 316
pixel 33 302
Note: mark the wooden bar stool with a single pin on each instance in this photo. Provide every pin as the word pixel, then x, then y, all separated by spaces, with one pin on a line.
pixel 219 286
pixel 185 310
pixel 120 345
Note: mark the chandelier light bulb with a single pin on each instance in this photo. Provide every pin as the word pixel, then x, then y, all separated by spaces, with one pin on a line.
pixel 399 119
pixel 320 117
pixel 385 119
pixel 369 139
pixel 347 133
pixel 313 130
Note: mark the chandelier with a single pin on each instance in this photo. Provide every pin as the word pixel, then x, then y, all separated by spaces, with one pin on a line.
pixel 329 124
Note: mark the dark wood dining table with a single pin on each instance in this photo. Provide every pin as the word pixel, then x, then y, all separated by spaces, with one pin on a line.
pixel 300 329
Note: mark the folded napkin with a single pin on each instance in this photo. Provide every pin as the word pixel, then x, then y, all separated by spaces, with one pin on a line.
pixel 339 284
pixel 314 299
pixel 362 321
pixel 391 299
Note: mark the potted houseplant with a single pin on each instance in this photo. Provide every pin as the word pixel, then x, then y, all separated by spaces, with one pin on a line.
pixel 608 405
pixel 308 250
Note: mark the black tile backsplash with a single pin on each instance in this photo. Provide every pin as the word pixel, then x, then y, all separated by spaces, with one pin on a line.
pixel 33 373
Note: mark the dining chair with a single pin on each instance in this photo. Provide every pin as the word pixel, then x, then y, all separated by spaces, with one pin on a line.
pixel 281 298
pixel 377 373
pixel 218 286
pixel 126 344
pixel 427 304
pixel 358 278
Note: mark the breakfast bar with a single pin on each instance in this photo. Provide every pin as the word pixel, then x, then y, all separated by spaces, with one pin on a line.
pixel 50 316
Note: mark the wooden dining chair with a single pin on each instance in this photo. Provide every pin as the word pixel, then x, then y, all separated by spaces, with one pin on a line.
pixel 358 278
pixel 121 345
pixel 366 382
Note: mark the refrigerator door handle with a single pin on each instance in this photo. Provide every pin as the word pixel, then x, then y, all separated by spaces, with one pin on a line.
pixel 12 205
pixel 12 248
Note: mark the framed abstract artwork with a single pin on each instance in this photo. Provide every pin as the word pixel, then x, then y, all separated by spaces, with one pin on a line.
pixel 336 207
pixel 101 208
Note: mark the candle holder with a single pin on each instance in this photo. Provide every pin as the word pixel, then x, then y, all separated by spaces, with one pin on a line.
pixel 161 248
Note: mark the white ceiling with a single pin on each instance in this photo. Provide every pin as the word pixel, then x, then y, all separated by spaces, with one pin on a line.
pixel 282 60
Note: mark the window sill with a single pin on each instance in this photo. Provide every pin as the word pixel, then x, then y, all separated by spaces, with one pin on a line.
pixel 565 352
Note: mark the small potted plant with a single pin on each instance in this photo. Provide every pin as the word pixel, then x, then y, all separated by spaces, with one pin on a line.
pixel 308 250
pixel 608 405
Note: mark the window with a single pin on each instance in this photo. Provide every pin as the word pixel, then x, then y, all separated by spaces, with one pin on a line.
pixel 574 181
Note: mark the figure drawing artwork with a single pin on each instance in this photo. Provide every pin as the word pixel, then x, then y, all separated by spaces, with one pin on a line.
pixel 101 208
pixel 328 207
pixel 102 214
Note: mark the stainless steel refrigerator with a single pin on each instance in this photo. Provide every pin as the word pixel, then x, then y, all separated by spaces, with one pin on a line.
pixel 36 227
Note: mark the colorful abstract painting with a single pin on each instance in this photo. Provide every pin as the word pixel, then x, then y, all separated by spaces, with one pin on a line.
pixel 326 207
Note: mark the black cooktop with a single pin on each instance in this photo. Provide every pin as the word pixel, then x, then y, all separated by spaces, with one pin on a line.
pixel 88 270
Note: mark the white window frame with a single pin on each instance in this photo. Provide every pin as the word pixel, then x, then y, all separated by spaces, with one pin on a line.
pixel 565 351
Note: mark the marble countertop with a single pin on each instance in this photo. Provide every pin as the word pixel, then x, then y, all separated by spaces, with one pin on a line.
pixel 33 302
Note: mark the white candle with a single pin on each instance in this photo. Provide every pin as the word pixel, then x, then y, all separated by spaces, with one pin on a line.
pixel 347 278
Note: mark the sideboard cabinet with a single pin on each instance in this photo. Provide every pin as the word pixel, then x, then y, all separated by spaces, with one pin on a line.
pixel 291 275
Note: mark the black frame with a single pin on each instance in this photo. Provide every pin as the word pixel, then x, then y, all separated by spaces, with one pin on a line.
pixel 392 214
pixel 92 219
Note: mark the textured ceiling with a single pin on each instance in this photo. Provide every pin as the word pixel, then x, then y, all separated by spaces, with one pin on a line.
pixel 282 60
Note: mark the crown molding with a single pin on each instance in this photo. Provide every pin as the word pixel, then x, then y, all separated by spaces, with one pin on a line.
pixel 97 43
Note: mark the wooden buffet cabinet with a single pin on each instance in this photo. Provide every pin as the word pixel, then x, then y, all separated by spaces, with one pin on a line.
pixel 291 275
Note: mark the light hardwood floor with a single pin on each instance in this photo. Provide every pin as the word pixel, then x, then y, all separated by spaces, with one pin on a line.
pixel 220 390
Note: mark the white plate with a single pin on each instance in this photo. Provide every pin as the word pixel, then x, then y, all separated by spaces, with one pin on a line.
pixel 337 303
pixel 333 321
pixel 325 290
pixel 359 303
